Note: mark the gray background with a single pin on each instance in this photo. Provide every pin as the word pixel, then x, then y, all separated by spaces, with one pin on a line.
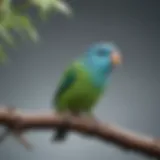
pixel 132 101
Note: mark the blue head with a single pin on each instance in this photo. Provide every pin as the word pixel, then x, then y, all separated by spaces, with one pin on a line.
pixel 100 59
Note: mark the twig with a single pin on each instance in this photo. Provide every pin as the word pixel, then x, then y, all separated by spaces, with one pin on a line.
pixel 22 122
pixel 14 127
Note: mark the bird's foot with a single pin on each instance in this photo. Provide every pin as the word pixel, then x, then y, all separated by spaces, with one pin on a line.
pixel 65 122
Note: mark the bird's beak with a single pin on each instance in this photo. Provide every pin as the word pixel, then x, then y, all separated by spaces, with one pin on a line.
pixel 116 58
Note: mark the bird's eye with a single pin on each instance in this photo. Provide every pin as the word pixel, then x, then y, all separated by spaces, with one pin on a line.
pixel 102 52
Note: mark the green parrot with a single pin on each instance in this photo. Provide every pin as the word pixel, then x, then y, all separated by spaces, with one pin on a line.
pixel 84 81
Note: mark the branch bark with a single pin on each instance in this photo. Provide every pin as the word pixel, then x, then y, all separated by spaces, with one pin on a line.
pixel 18 122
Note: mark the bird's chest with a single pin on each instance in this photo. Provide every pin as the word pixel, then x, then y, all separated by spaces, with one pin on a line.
pixel 83 94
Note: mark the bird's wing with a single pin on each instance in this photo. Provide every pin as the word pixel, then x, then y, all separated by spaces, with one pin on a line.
pixel 67 81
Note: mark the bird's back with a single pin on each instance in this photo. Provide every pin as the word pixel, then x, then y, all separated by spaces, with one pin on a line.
pixel 79 94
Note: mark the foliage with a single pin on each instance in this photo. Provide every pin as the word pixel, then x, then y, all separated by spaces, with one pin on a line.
pixel 15 19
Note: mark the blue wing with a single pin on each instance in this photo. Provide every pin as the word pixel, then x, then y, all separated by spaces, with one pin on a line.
pixel 68 80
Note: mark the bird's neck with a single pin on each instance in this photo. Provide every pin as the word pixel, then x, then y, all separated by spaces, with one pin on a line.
pixel 98 77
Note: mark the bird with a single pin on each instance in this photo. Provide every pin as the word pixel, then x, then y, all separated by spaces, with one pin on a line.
pixel 84 81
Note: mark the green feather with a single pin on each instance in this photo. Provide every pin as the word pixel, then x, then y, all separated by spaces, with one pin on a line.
pixel 76 92
pixel 67 82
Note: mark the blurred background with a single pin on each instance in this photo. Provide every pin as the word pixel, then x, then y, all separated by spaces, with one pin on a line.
pixel 30 78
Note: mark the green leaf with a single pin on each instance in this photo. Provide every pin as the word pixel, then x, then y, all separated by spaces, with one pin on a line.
pixel 3 55
pixel 5 35
pixel 12 19
pixel 63 7
pixel 5 6
pixel 24 24
pixel 48 5
pixel 20 24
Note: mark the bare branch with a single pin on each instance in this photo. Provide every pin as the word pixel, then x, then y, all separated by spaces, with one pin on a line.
pixel 19 122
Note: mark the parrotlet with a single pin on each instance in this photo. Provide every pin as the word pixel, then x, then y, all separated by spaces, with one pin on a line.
pixel 84 82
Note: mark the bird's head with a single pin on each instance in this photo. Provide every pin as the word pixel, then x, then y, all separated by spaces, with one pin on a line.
pixel 104 56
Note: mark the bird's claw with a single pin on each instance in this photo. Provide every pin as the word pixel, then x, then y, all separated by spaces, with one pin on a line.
pixel 65 121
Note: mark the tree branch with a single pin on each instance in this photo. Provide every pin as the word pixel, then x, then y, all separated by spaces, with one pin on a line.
pixel 19 122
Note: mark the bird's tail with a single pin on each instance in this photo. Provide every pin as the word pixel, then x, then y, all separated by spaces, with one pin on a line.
pixel 61 134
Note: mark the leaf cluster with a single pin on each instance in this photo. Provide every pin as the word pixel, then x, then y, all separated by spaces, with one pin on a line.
pixel 14 20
